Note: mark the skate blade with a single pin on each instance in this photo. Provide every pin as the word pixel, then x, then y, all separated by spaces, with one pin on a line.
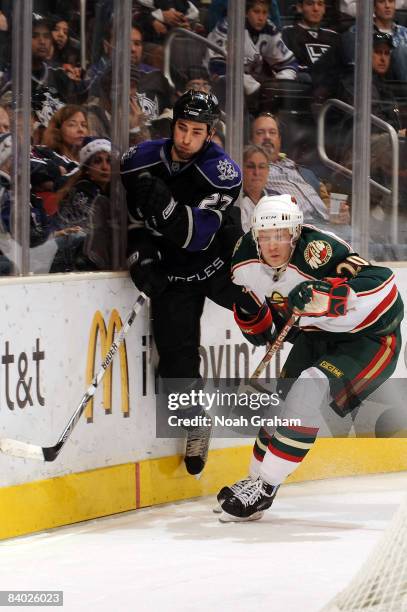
pixel 198 476
pixel 217 509
pixel 229 518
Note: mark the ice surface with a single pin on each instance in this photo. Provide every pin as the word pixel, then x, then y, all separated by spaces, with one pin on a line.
pixel 178 557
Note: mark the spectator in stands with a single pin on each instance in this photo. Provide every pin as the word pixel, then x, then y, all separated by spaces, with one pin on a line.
pixel 307 39
pixel 160 16
pixel 148 84
pixel 348 7
pixel 150 93
pixel 39 224
pixel 384 21
pixel 54 78
pixel 65 50
pixel 5 43
pixel 99 112
pixel 384 104
pixel 82 220
pixel 51 86
pixel 284 175
pixel 194 77
pixel 384 15
pixel 266 54
pixel 55 161
pixel 6 266
pixel 385 11
pixel 218 9
pixel 4 120
pixel 96 71
pixel 65 134
pixel 255 177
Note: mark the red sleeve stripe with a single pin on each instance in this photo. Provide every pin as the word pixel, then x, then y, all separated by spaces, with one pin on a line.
pixel 380 309
pixel 362 293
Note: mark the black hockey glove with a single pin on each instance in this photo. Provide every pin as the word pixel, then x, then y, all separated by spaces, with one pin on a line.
pixel 258 329
pixel 321 298
pixel 153 201
pixel 146 272
pixel 138 195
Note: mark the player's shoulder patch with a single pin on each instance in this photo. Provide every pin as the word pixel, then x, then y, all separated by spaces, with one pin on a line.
pixel 219 169
pixel 317 253
pixel 321 250
pixel 142 155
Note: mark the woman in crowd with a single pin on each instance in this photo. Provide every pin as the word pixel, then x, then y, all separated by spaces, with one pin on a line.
pixel 65 50
pixel 53 162
pixel 65 134
pixel 82 222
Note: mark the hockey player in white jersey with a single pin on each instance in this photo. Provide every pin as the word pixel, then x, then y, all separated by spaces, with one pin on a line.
pixel 345 344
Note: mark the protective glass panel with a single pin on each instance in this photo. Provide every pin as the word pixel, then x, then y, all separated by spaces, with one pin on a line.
pixel 7 243
pixel 388 212
pixel 282 109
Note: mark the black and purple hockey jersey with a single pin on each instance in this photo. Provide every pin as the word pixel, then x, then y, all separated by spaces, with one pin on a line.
pixel 206 187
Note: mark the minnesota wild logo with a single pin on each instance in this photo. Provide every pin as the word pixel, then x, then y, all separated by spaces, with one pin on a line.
pixel 317 253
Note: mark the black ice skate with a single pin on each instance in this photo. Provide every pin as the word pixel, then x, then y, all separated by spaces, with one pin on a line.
pixel 250 503
pixel 228 492
pixel 196 452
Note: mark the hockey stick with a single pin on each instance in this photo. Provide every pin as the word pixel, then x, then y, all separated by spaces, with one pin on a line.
pixel 272 350
pixel 49 453
pixel 252 385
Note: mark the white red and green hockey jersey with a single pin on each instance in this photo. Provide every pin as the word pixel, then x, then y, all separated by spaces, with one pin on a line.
pixel 374 304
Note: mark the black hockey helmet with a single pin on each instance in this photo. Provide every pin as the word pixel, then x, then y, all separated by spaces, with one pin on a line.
pixel 197 106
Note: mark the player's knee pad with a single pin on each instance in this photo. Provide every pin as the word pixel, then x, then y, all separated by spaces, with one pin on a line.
pixel 307 398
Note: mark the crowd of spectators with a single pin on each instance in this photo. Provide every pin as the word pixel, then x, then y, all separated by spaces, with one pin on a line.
pixel 297 55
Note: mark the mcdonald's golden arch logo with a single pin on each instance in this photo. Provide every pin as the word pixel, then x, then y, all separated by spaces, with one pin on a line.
pixel 98 330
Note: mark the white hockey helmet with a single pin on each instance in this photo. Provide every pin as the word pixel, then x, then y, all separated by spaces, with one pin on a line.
pixel 277 212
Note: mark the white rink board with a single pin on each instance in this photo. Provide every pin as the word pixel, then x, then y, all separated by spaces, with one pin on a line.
pixel 55 318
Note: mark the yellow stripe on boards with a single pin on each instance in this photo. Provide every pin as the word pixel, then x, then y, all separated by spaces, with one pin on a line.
pixel 45 504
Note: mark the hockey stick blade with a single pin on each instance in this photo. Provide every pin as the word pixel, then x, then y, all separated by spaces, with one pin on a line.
pixel 24 450
pixel 21 449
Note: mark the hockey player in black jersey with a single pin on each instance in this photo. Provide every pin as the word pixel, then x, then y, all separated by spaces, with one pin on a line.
pixel 181 233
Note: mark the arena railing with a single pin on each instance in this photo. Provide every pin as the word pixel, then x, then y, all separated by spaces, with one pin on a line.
pixel 394 190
